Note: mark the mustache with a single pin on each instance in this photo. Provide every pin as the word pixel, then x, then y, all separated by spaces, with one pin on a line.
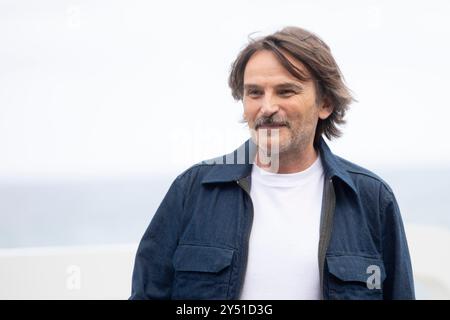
pixel 274 121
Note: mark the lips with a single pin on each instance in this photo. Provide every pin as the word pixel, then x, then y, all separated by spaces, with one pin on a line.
pixel 271 126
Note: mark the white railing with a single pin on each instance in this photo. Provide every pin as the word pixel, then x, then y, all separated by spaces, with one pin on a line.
pixel 104 272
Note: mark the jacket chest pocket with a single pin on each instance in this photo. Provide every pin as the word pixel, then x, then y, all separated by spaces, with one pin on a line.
pixel 201 272
pixel 355 277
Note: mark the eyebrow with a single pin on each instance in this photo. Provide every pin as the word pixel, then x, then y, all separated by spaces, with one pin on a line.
pixel 284 85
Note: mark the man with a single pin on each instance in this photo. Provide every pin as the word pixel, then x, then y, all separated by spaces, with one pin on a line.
pixel 281 217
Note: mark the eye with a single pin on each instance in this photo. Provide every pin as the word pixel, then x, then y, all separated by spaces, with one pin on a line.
pixel 254 93
pixel 287 93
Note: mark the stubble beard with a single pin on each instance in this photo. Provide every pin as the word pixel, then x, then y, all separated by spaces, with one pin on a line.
pixel 274 143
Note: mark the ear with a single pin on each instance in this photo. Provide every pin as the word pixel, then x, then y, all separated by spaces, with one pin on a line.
pixel 325 109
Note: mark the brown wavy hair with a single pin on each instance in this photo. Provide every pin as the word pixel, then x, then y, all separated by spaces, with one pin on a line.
pixel 316 56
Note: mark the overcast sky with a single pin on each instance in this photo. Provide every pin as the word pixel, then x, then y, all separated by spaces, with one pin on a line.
pixel 130 87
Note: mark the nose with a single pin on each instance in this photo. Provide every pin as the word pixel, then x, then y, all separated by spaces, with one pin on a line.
pixel 269 106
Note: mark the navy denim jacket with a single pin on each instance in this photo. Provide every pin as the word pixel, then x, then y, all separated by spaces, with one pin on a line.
pixel 197 242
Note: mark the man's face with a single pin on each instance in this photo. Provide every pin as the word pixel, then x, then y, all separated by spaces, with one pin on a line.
pixel 280 103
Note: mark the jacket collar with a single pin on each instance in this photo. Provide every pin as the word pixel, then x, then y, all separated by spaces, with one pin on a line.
pixel 238 164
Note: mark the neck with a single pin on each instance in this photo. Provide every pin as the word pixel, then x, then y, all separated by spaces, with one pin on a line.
pixel 290 161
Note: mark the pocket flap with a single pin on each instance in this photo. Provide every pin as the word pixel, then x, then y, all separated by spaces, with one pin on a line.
pixel 201 258
pixel 355 268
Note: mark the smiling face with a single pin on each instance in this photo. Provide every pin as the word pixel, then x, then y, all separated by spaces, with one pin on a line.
pixel 286 107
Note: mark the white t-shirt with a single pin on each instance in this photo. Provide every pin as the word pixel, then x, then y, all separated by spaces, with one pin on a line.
pixel 284 240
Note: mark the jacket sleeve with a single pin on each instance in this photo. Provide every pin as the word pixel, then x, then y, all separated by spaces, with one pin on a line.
pixel 399 283
pixel 153 271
